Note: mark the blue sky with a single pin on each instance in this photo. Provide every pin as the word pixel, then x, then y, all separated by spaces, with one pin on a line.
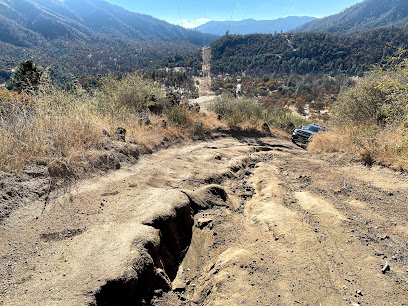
pixel 196 12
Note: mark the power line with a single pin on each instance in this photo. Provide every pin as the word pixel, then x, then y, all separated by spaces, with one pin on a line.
pixel 181 21
pixel 232 15
pixel 287 10
pixel 204 37
pixel 178 7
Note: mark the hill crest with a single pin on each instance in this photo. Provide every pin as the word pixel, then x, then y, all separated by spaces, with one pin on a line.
pixel 251 26
pixel 367 15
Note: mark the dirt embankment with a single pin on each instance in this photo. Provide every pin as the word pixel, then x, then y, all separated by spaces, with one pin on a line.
pixel 237 220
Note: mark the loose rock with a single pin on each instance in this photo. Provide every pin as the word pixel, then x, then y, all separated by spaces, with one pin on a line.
pixel 120 134
pixel 178 285
pixel 203 222
pixel 105 133
pixel 265 127
pixel 386 268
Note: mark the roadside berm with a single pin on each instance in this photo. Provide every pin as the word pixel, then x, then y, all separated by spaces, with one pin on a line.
pixel 236 220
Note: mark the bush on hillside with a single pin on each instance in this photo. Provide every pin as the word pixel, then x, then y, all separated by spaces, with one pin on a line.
pixel 132 94
pixel 177 115
pixel 380 97
pixel 372 117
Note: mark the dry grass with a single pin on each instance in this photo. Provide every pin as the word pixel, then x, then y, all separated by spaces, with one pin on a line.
pixel 67 127
pixel 390 148
pixel 37 130
pixel 247 112
pixel 329 142
pixel 370 143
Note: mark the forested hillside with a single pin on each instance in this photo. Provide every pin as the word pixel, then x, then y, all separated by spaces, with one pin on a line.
pixel 86 37
pixel 361 17
pixel 304 53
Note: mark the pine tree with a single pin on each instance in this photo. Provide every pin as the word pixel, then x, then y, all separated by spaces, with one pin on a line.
pixel 27 77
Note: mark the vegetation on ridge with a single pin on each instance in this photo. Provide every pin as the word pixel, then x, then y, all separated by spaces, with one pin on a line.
pixel 304 53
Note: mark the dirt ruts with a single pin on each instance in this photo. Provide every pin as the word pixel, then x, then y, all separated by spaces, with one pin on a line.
pixel 237 220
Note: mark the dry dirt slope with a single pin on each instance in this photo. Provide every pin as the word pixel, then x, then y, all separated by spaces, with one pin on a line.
pixel 287 228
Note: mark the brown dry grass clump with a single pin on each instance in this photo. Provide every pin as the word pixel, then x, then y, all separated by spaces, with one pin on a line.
pixel 371 144
pixel 329 142
pixel 387 146
pixel 33 129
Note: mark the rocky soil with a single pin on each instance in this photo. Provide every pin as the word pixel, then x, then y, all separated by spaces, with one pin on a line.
pixel 236 220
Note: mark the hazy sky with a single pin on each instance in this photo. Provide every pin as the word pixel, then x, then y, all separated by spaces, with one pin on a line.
pixel 194 12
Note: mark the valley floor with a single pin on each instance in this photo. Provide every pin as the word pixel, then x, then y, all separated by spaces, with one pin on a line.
pixel 235 220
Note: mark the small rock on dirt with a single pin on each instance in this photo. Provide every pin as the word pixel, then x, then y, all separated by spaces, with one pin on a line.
pixel 120 134
pixel 105 133
pixel 178 285
pixel 265 128
pixel 59 169
pixel 210 196
pixel 386 268
pixel 203 222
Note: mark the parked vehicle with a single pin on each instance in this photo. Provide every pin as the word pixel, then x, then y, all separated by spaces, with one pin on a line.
pixel 305 133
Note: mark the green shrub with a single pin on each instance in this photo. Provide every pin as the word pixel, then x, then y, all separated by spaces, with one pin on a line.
pixel 380 97
pixel 237 110
pixel 132 94
pixel 177 115
pixel 361 103
pixel 280 118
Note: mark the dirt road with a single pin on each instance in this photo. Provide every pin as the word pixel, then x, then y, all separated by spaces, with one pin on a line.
pixel 204 101
pixel 273 225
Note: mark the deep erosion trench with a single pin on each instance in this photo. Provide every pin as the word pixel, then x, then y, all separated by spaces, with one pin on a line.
pixel 237 220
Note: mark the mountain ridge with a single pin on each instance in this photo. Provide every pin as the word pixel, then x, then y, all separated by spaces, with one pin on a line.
pixel 87 36
pixel 251 26
pixel 72 18
pixel 367 15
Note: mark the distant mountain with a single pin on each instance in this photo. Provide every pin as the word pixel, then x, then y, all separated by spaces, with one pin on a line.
pixel 87 35
pixel 251 26
pixel 363 16
pixel 77 19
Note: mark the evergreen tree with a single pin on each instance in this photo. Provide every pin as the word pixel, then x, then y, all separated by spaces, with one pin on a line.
pixel 27 78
